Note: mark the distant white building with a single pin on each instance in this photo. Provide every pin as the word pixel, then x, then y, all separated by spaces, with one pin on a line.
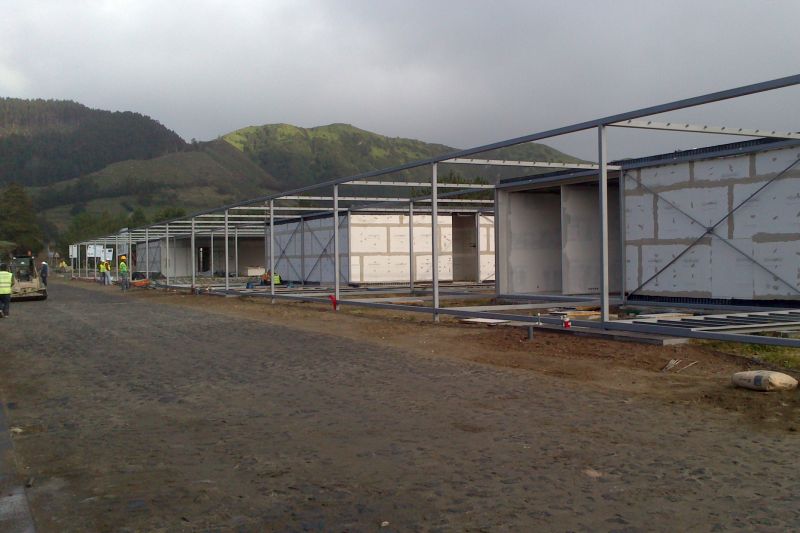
pixel 374 248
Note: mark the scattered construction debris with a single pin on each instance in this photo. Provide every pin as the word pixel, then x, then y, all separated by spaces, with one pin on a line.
pixel 674 363
pixel 764 380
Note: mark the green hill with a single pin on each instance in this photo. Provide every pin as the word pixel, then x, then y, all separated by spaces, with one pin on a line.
pixel 90 171
pixel 303 156
pixel 212 174
pixel 47 141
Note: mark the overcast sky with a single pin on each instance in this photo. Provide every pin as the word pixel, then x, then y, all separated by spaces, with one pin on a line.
pixel 462 73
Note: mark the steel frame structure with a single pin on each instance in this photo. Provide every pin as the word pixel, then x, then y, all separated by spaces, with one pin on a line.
pixel 258 216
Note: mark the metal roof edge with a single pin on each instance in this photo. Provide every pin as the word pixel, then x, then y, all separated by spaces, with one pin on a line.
pixel 708 152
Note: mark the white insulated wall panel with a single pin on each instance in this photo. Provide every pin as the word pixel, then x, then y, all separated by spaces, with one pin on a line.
pixel 632 268
pixel 379 220
pixel 486 267
pixel 379 248
pixel 665 175
pixel 424 270
pixel 690 275
pixel 773 210
pixel 733 274
pixel 707 205
pixel 446 240
pixel 774 161
pixel 422 237
pixel 398 239
pixel 486 246
pixel 639 219
pixel 631 180
pixel 722 169
pixel 369 239
pixel 385 268
pixel 783 260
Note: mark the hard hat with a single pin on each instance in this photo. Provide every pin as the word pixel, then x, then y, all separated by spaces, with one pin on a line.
pixel 44 262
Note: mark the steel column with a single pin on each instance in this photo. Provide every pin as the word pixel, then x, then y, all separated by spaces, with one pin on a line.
pixel 411 263
pixel 478 245
pixel 116 256
pixel 147 253
pixel 623 263
pixel 236 250
pixel 166 263
pixel 603 183
pixel 271 249
pixel 266 245
pixel 227 263
pixel 193 259
pixel 435 239
pixel 496 237
pixel 303 251
pixel 336 244
pixel 212 256
pixel 130 255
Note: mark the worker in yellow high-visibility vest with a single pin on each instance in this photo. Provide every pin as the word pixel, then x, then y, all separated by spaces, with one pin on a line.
pixel 124 282
pixel 6 282
pixel 103 270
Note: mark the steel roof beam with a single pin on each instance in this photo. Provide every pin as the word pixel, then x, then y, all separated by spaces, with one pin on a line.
pixel 700 128
pixel 418 184
pixel 537 164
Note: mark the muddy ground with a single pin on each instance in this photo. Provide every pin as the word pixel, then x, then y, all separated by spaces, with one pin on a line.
pixel 149 411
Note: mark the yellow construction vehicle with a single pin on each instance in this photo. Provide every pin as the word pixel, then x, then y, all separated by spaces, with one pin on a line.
pixel 27 282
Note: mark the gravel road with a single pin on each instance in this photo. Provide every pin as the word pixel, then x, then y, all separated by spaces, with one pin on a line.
pixel 132 415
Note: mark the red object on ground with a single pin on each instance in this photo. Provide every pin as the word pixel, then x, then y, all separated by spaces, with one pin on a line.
pixel 334 301
pixel 566 322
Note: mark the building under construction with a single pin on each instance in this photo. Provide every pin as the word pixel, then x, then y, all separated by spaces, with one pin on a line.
pixel 709 232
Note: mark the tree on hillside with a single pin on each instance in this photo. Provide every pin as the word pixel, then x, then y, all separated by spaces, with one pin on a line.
pixel 86 225
pixel 137 218
pixel 18 220
pixel 46 141
pixel 168 213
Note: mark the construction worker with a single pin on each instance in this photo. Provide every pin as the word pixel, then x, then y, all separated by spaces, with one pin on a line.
pixel 44 272
pixel 6 282
pixel 123 273
pixel 103 272
pixel 276 278
pixel 108 272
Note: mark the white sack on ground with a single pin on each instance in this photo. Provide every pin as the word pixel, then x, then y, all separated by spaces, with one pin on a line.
pixel 764 380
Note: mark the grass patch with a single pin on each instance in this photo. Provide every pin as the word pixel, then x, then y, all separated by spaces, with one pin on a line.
pixel 776 355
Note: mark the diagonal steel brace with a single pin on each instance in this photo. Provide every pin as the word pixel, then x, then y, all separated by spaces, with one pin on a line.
pixel 711 230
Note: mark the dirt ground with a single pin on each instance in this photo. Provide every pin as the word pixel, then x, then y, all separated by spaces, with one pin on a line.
pixel 607 364
pixel 150 411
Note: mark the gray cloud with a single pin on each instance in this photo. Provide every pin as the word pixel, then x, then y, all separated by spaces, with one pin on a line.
pixel 461 73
